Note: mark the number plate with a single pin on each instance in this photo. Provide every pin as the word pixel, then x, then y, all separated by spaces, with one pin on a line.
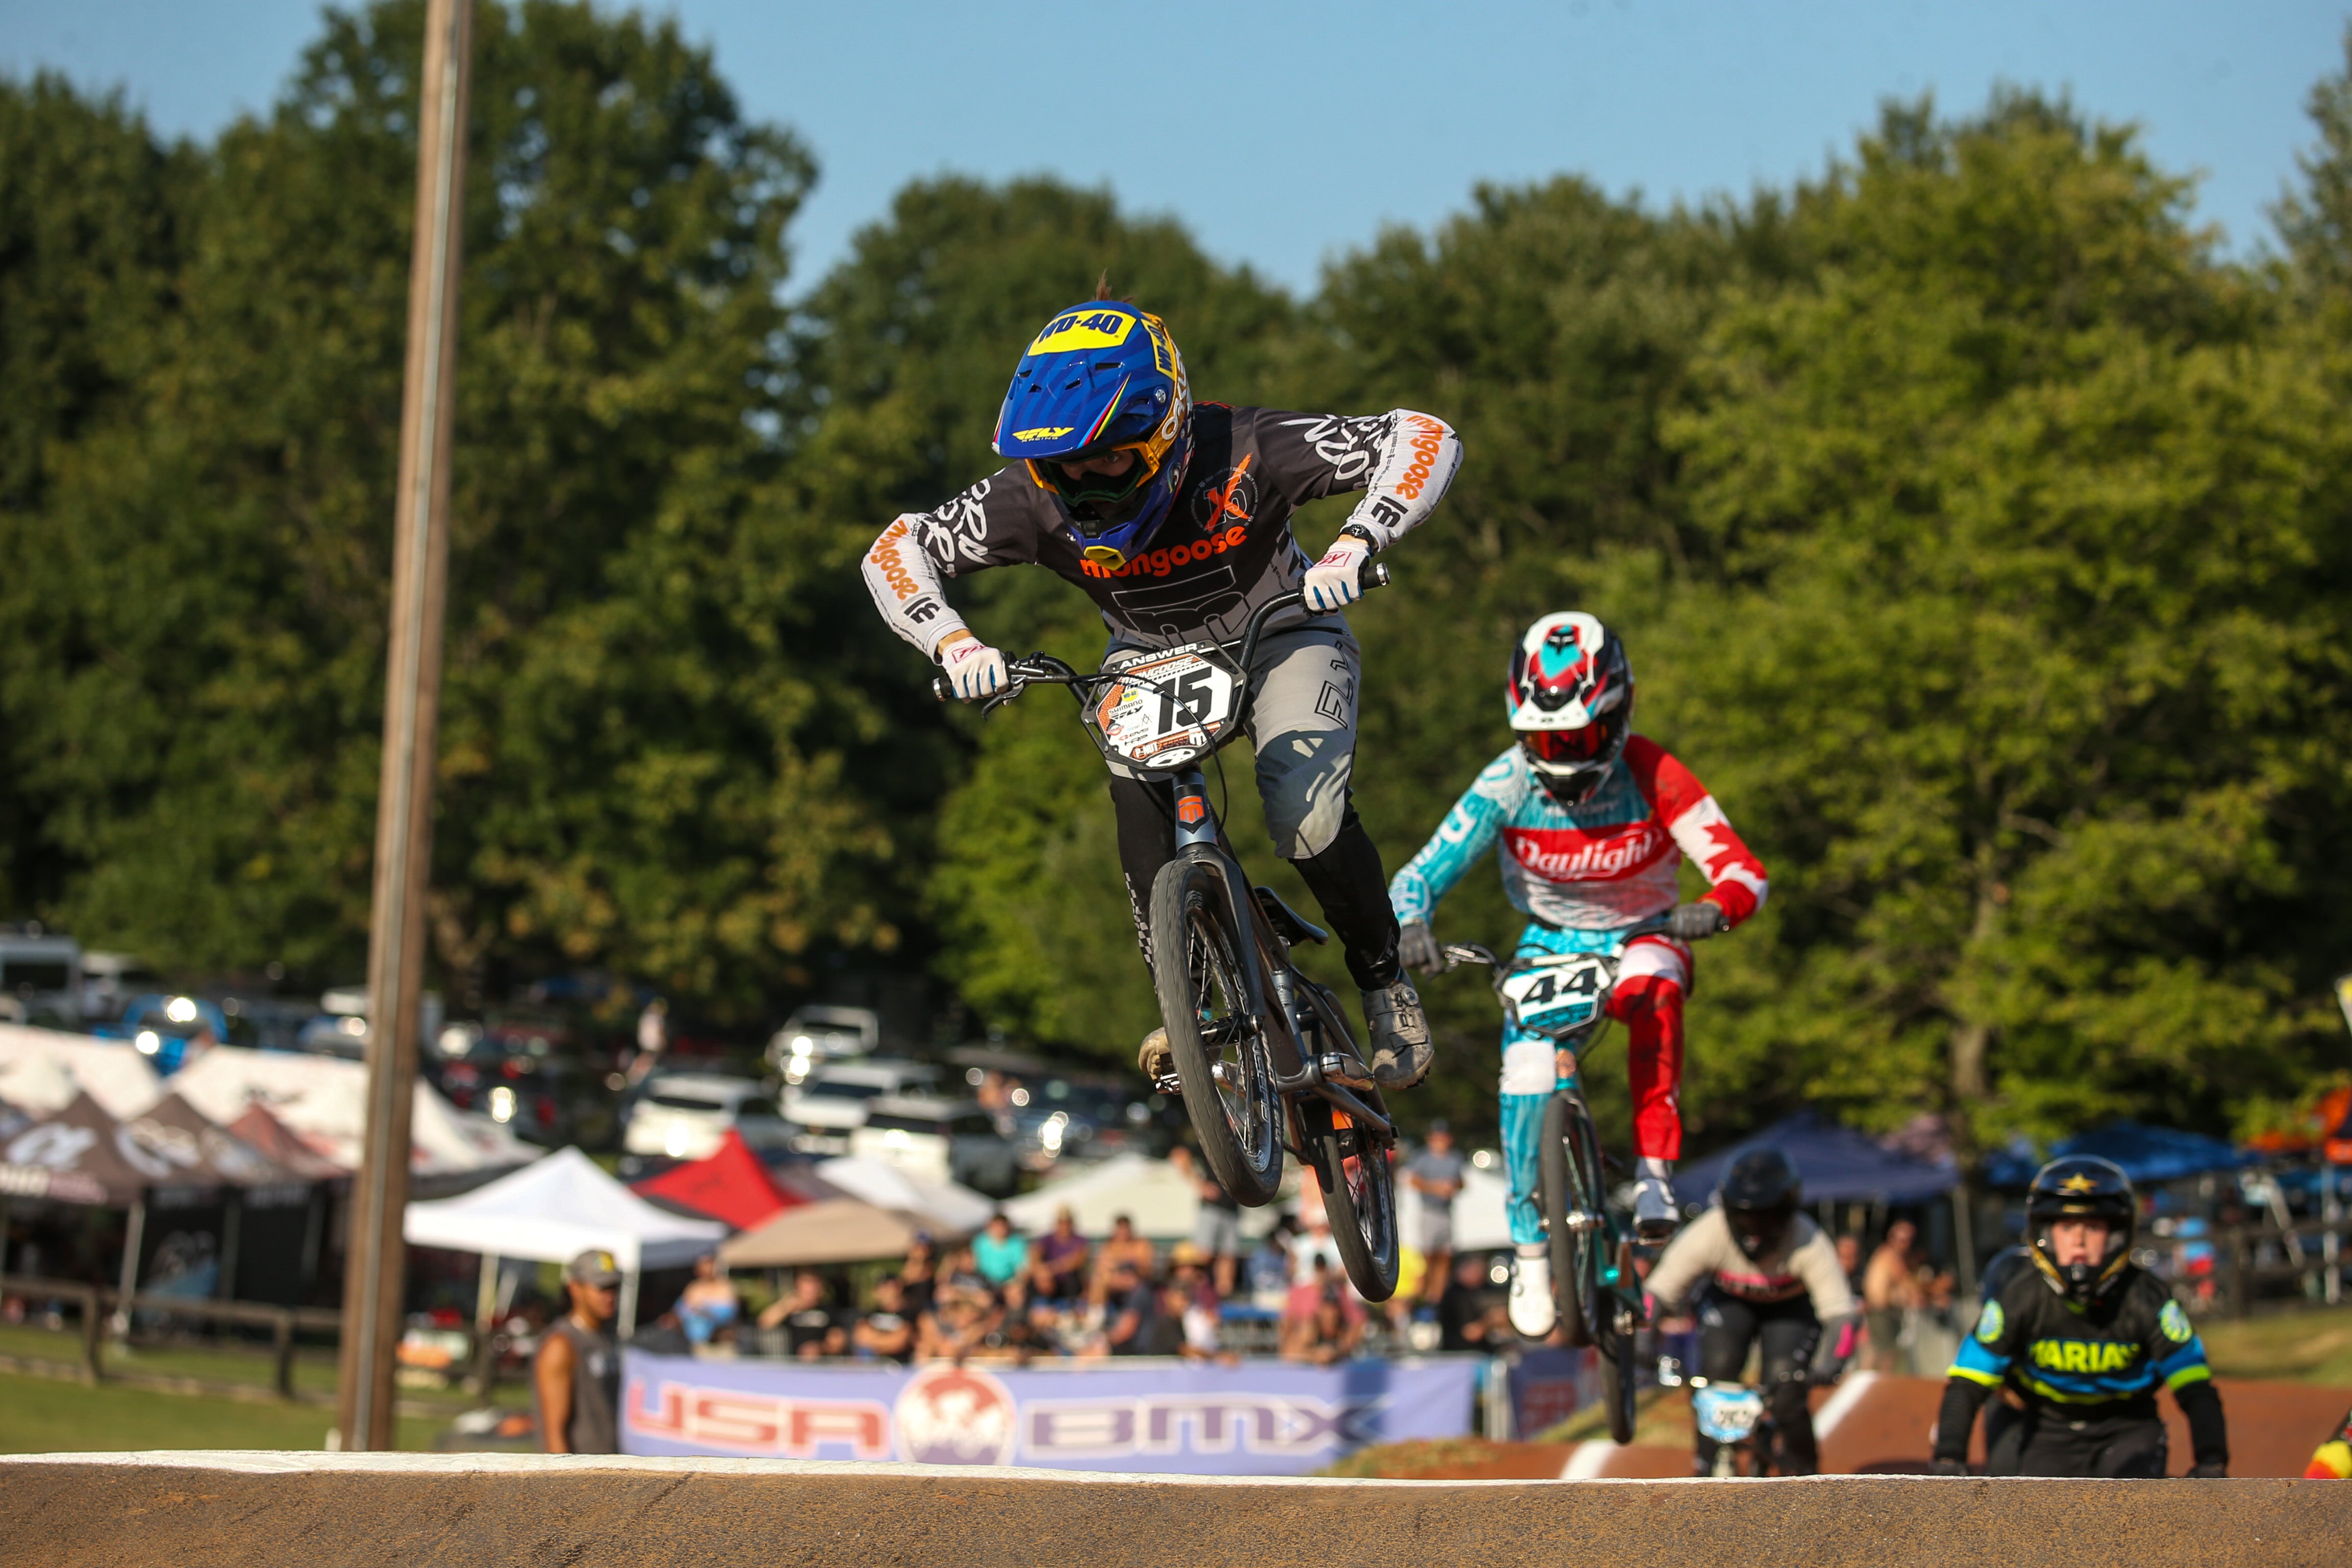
pixel 1167 711
pixel 1555 995
pixel 1726 1414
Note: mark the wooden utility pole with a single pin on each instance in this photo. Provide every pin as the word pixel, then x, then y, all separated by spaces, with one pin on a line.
pixel 404 822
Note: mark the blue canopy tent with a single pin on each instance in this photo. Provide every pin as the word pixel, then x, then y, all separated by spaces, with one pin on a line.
pixel 2147 1154
pixel 1836 1164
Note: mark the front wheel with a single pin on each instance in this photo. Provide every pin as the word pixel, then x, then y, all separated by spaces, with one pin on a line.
pixel 1219 1044
pixel 1569 1171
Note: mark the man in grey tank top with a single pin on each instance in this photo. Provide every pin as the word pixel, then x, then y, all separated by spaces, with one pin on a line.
pixel 577 1378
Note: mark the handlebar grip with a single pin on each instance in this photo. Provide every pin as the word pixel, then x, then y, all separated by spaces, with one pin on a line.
pixel 942 689
pixel 1375 574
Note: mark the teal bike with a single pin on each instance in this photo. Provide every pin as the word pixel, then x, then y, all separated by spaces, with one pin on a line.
pixel 1564 997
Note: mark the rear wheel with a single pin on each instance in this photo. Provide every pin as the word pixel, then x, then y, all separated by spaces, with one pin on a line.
pixel 1612 1342
pixel 1359 1184
pixel 1218 1043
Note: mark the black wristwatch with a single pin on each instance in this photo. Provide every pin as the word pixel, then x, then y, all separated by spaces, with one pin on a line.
pixel 1358 531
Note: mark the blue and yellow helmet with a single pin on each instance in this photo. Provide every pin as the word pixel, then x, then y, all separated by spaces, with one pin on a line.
pixel 1102 378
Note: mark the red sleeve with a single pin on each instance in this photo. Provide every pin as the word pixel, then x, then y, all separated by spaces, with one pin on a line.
pixel 1735 877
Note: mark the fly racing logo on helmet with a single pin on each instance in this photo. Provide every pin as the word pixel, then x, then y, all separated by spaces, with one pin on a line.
pixel 1045 434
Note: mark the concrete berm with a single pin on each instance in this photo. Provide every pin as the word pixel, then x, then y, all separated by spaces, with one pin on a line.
pixel 261 1510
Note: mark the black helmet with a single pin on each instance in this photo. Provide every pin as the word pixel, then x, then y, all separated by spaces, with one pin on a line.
pixel 2081 1186
pixel 1759 1195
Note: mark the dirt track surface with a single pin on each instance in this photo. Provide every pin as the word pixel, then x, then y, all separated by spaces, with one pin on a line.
pixel 1878 1425
pixel 258 1510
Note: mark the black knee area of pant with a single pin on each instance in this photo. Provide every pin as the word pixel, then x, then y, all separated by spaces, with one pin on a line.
pixel 1346 880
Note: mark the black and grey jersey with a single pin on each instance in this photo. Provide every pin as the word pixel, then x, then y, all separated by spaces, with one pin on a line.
pixel 1225 549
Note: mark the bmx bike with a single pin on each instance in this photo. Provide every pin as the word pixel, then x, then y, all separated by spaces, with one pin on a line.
pixel 1262 1056
pixel 1564 997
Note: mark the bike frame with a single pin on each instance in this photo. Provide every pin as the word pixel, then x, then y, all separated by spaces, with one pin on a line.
pixel 1201 837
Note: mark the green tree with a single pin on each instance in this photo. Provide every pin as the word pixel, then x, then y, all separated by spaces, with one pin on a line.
pixel 2017 649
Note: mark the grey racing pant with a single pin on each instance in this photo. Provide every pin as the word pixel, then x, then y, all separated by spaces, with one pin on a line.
pixel 1302 728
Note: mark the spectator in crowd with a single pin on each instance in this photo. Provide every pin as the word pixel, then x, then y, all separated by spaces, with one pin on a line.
pixel 652 1039
pixel 1123 1247
pixel 810 1328
pixel 1849 1256
pixel 919 1276
pixel 1435 1176
pixel 961 1271
pixel 958 1320
pixel 1321 1336
pixel 1130 1309
pixel 1897 1280
pixel 1057 1261
pixel 1000 1252
pixel 1217 1230
pixel 1470 1315
pixel 1190 1301
pixel 1270 1267
pixel 576 1381
pixel 886 1334
pixel 708 1307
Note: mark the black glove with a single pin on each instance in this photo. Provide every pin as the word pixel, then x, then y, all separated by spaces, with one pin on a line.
pixel 1695 923
pixel 2208 1472
pixel 1947 1468
pixel 1417 949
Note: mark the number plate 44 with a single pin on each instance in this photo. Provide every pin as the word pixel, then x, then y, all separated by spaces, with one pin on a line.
pixel 1558 994
pixel 1168 710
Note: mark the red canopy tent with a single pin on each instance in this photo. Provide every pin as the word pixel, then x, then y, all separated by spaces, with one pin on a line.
pixel 731 1184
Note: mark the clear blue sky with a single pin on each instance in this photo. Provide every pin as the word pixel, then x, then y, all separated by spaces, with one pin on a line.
pixel 1283 131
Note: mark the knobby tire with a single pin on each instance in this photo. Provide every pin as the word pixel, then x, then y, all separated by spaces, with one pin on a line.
pixel 1356 1171
pixel 1197 957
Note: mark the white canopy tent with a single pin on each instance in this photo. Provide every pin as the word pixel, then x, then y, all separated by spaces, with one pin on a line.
pixel 949 1206
pixel 322 1099
pixel 41 1071
pixel 552 1211
pixel 1161 1201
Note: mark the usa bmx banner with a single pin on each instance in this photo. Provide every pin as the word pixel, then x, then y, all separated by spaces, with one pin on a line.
pixel 1182 1418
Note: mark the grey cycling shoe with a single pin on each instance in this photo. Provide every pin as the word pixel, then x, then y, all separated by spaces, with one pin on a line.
pixel 1401 1051
pixel 1654 1215
pixel 1154 1060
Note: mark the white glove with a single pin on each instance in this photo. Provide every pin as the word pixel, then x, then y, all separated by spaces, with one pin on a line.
pixel 1331 582
pixel 976 669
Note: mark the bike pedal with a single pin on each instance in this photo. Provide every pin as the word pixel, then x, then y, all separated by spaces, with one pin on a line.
pixel 1167 1083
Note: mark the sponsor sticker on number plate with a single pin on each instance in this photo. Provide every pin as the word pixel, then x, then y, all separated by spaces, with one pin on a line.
pixel 1165 711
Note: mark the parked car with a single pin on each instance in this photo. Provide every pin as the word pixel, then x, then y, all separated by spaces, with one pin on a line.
pixel 832 1101
pixel 945 1140
pixel 1066 1117
pixel 813 1036
pixel 685 1114
pixel 42 971
pixel 169 1030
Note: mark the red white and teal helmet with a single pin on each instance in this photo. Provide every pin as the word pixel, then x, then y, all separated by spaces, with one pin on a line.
pixel 1570 696
pixel 1102 378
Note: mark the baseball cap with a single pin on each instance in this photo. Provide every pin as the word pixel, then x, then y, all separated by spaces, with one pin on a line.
pixel 594 1266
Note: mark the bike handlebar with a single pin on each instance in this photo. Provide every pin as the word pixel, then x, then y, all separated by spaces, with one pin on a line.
pixel 1044 669
pixel 1458 954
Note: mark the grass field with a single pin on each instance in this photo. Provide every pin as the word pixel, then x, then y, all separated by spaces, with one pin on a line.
pixel 49 1416
pixel 2294 1347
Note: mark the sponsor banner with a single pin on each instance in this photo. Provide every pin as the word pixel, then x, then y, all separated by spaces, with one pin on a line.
pixel 1548 1387
pixel 1182 1418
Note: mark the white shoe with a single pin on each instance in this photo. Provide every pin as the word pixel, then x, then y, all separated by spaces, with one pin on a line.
pixel 1533 1311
